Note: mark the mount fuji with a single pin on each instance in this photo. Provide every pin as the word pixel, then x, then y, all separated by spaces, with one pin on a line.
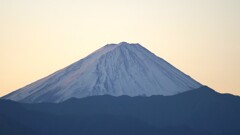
pixel 120 89
pixel 115 69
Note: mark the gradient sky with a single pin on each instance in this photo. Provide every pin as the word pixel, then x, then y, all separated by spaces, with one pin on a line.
pixel 199 37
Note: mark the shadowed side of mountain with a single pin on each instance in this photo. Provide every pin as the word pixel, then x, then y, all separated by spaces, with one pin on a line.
pixel 28 121
pixel 200 111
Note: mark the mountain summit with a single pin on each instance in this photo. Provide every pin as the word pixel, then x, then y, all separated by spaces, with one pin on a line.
pixel 115 69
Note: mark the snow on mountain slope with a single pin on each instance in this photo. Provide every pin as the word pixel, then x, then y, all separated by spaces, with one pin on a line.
pixel 115 69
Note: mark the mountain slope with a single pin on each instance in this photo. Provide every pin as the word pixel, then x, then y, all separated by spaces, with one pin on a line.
pixel 197 112
pixel 201 109
pixel 115 69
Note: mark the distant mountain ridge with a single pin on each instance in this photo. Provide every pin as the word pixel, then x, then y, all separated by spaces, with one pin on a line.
pixel 198 112
pixel 115 69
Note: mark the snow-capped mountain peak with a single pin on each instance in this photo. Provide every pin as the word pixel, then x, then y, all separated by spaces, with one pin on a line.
pixel 115 69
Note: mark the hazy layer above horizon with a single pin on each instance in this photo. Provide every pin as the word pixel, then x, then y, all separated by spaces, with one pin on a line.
pixel 200 37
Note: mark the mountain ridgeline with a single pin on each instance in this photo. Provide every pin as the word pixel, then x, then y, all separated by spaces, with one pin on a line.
pixel 197 112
